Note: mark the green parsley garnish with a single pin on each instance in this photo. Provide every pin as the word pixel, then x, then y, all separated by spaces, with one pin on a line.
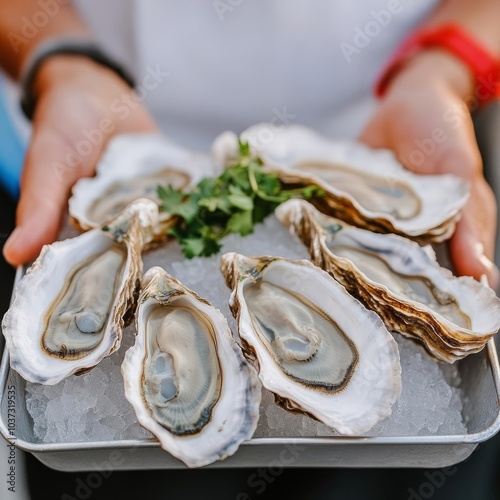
pixel 242 196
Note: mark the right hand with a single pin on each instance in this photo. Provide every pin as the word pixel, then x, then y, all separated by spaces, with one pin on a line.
pixel 74 97
pixel 424 92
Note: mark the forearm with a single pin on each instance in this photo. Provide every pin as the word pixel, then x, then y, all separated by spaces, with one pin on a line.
pixel 24 24
pixel 480 18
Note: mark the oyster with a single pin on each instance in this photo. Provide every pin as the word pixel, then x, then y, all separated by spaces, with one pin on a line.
pixel 365 187
pixel 401 281
pixel 186 377
pixel 69 309
pixel 132 167
pixel 318 349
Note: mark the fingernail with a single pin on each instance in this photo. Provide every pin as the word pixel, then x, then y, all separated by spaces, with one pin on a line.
pixel 491 269
pixel 494 277
pixel 479 251
pixel 487 263
pixel 11 241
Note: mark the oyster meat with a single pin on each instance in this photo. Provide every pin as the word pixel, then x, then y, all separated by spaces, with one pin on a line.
pixel 186 377
pixel 70 308
pixel 365 187
pixel 401 281
pixel 132 167
pixel 317 348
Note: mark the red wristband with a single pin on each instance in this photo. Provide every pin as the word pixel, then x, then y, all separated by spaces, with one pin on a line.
pixel 485 68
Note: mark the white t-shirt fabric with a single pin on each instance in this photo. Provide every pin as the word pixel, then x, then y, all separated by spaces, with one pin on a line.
pixel 207 66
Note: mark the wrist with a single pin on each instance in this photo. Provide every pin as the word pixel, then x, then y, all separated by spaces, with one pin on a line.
pixel 458 48
pixel 435 67
pixel 62 70
pixel 61 59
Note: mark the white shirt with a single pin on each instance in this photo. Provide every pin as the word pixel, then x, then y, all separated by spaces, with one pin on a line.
pixel 232 63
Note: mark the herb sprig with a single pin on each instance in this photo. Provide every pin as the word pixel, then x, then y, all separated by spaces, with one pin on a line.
pixel 240 197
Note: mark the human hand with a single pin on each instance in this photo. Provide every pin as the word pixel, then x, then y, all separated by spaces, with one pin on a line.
pixel 424 120
pixel 80 106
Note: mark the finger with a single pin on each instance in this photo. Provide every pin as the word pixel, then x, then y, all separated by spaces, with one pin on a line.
pixel 472 247
pixel 473 244
pixel 374 135
pixel 47 178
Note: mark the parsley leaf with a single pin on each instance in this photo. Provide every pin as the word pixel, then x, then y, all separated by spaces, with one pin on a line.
pixel 241 222
pixel 175 202
pixel 240 197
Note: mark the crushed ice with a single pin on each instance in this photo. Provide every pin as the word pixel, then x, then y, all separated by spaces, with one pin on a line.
pixel 92 407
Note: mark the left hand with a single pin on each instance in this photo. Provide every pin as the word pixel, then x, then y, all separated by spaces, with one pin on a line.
pixel 424 120
pixel 75 97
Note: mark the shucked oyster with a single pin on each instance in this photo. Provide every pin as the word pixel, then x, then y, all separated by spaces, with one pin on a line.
pixel 365 187
pixel 69 308
pixel 401 281
pixel 317 348
pixel 132 167
pixel 186 377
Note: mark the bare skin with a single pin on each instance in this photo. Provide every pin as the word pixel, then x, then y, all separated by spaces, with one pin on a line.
pixel 75 94
pixel 77 100
pixel 430 101
pixel 429 111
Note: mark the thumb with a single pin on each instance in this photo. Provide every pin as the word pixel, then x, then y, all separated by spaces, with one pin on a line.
pixel 472 245
pixel 49 172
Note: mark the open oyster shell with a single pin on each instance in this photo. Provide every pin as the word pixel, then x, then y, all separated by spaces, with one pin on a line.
pixel 186 377
pixel 70 308
pixel 317 348
pixel 366 187
pixel 401 281
pixel 132 167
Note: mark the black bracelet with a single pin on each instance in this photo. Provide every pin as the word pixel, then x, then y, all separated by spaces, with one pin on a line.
pixel 64 46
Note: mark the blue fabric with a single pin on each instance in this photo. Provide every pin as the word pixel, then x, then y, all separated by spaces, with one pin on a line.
pixel 12 152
